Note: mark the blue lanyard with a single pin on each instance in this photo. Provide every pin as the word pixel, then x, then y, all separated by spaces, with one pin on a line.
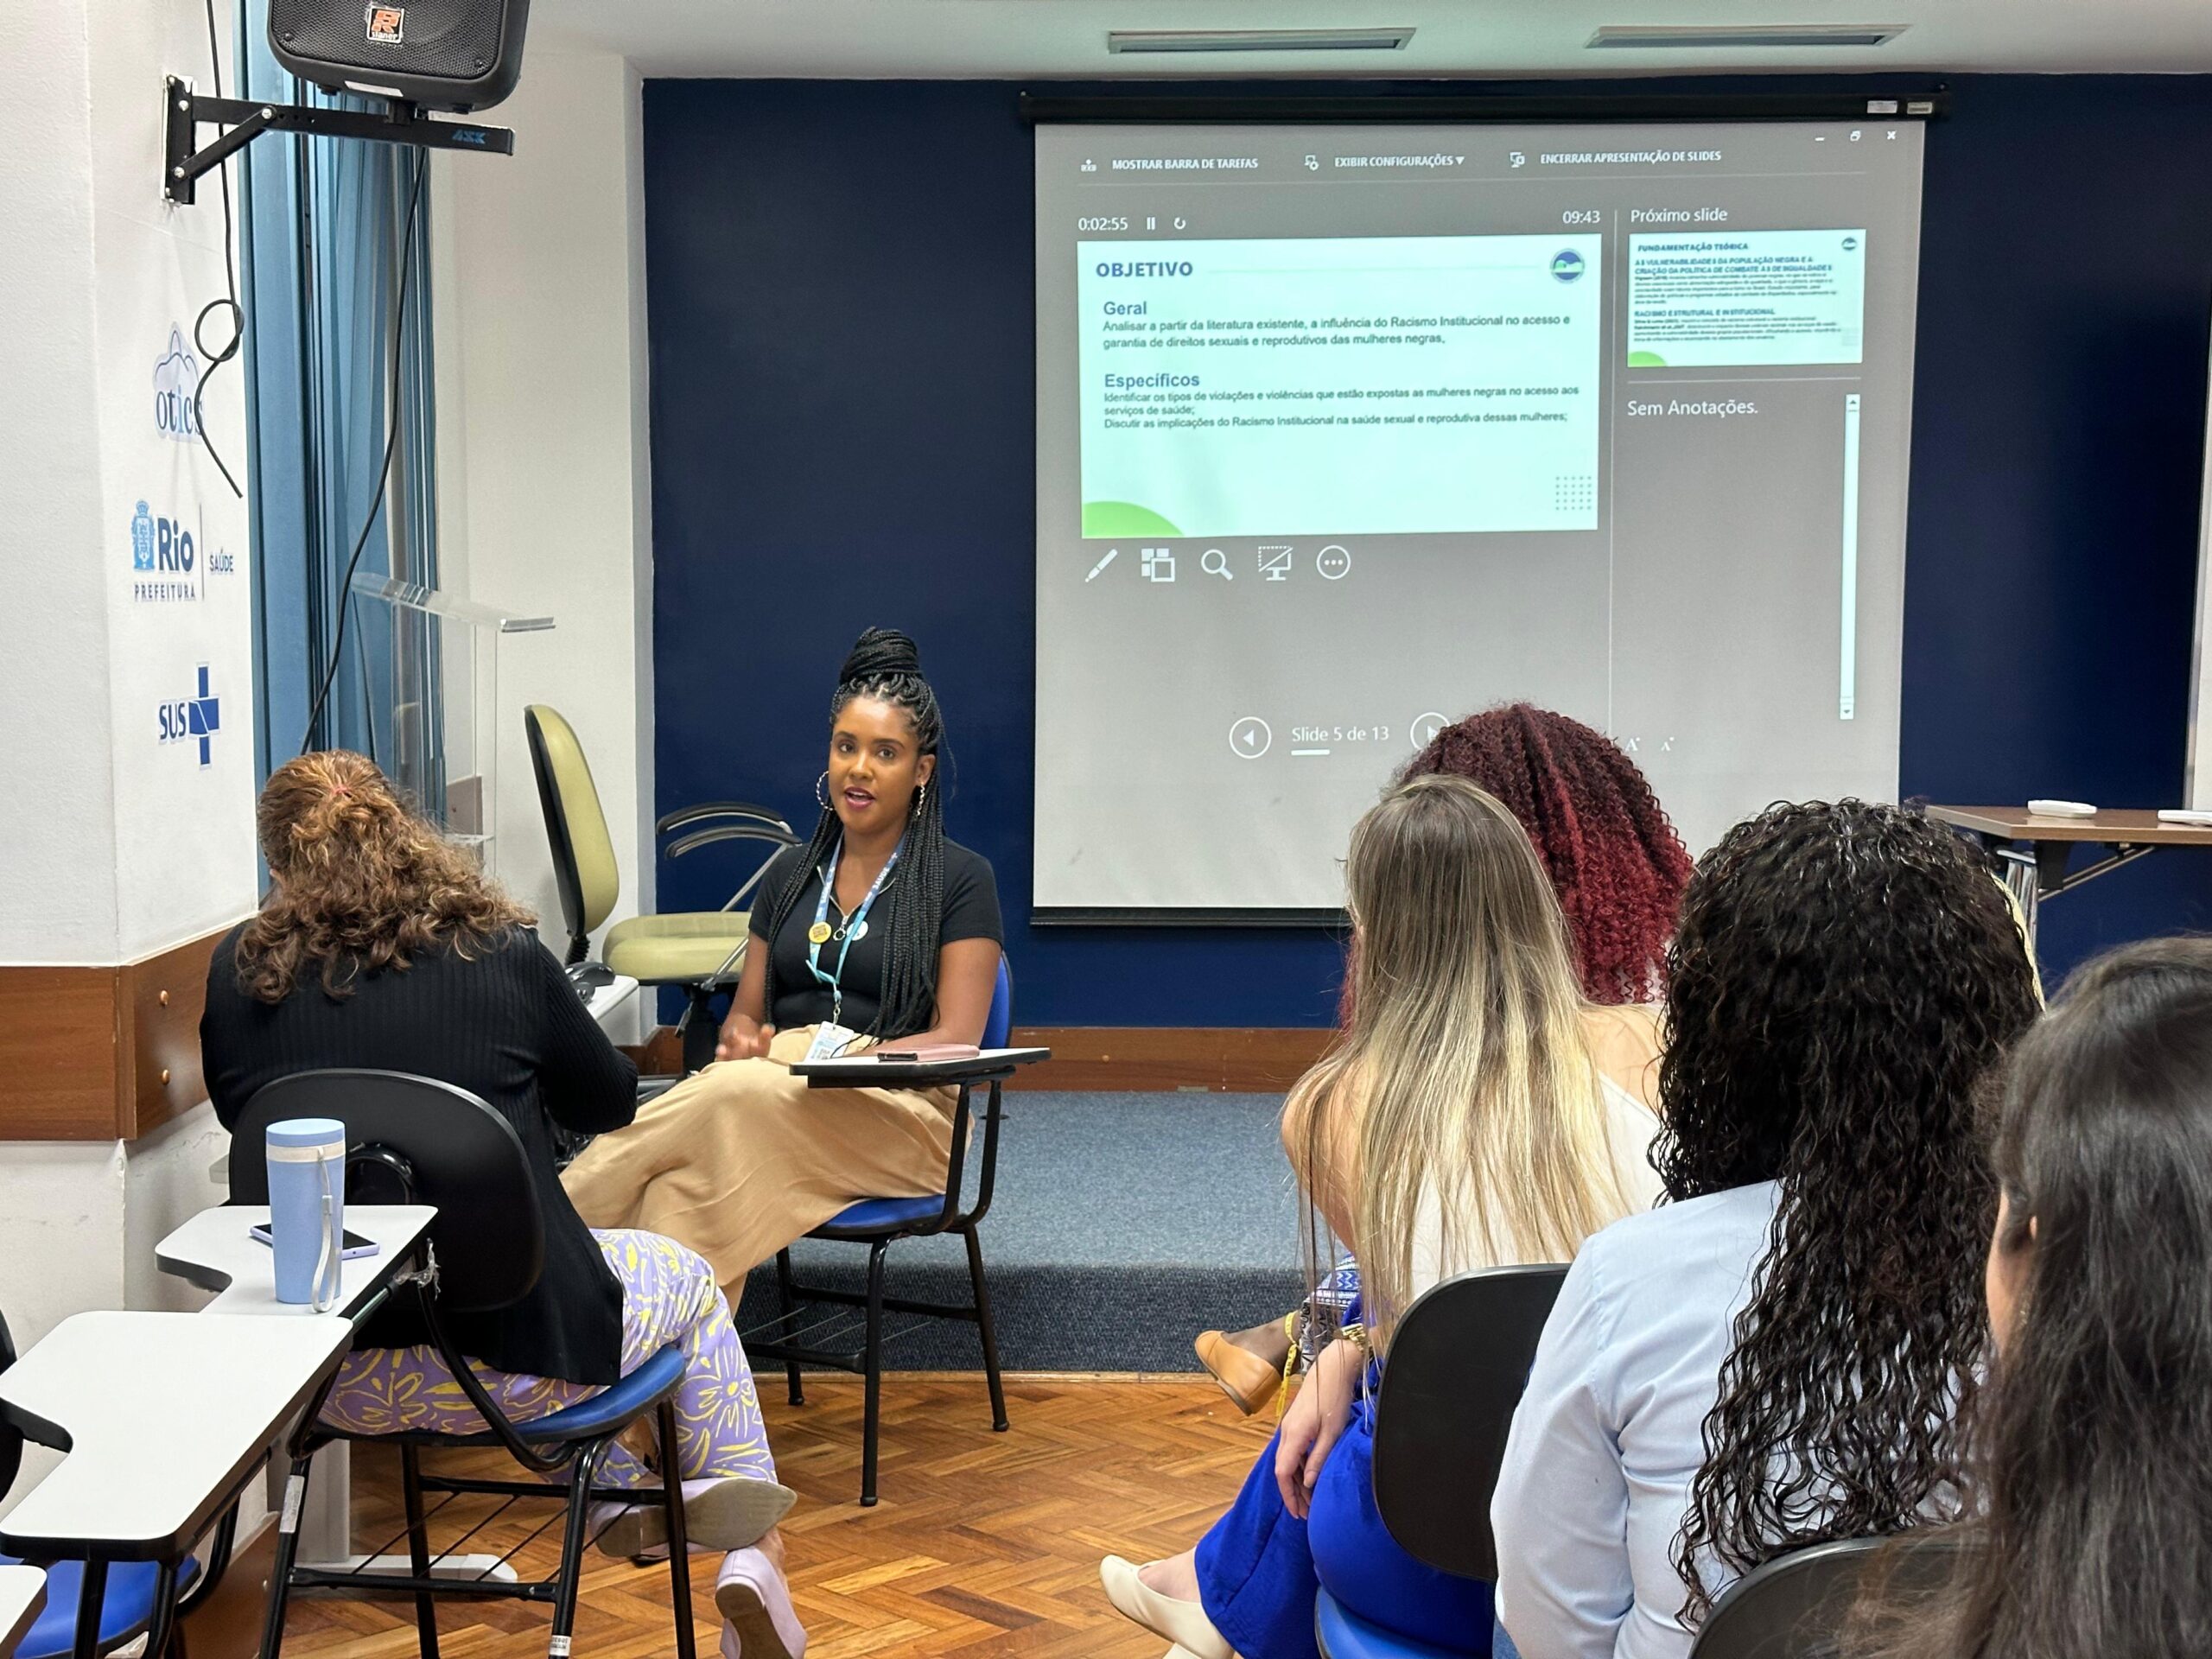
pixel 855 926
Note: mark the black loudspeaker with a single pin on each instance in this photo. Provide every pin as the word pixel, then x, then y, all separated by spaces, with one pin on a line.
pixel 442 55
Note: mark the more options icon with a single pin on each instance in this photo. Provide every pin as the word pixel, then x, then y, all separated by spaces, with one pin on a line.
pixel 1333 563
pixel 1250 737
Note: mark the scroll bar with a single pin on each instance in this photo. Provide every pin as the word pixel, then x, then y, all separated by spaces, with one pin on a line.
pixel 1847 699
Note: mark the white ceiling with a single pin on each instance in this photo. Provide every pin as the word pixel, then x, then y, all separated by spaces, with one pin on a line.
pixel 1036 38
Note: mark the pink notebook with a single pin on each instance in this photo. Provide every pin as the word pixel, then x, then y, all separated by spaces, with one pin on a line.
pixel 928 1052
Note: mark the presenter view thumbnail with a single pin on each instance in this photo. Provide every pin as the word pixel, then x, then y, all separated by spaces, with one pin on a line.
pixel 1343 433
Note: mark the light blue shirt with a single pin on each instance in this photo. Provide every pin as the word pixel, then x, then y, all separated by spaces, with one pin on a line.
pixel 1611 1431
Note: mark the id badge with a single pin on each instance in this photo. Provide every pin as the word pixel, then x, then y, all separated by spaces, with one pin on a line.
pixel 831 1041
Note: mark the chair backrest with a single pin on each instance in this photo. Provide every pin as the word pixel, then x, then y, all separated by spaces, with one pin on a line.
pixel 455 1151
pixel 11 1438
pixel 1456 1370
pixel 998 1024
pixel 1794 1606
pixel 584 869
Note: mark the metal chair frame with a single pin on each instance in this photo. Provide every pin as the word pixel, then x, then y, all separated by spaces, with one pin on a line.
pixel 866 1361
pixel 578 1458
pixel 164 1632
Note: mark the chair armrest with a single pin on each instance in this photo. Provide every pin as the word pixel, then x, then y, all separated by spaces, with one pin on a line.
pixel 698 838
pixel 705 809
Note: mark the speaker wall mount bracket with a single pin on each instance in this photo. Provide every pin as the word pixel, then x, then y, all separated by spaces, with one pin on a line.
pixel 185 111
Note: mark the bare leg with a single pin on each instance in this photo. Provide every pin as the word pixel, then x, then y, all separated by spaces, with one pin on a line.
pixel 1175 1575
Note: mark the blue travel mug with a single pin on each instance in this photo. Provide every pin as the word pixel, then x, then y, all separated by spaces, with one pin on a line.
pixel 307 1208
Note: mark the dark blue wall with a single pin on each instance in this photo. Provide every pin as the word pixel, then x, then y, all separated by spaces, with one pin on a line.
pixel 843 324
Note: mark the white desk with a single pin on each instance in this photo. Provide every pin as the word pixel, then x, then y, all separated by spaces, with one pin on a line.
pixel 21 1591
pixel 164 1416
pixel 214 1251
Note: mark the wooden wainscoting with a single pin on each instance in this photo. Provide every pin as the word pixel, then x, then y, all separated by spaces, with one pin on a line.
pixel 102 1054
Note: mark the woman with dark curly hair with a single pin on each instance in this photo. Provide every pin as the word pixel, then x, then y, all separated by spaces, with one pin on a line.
pixel 1619 868
pixel 1775 1357
pixel 2091 1482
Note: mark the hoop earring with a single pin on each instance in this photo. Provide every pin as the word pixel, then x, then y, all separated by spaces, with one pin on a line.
pixel 821 789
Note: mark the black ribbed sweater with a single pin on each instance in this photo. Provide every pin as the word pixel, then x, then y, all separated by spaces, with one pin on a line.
pixel 506 1026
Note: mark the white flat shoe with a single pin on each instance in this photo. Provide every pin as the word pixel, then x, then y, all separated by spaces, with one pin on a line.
pixel 755 1604
pixel 1183 1623
pixel 719 1514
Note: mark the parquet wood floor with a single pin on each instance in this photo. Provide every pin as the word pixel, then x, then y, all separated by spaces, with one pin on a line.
pixel 984 1544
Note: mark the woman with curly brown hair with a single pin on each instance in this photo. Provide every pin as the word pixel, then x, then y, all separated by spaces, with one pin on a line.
pixel 381 946
pixel 1776 1357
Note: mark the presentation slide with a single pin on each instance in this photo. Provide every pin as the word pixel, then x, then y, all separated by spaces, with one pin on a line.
pixel 1345 433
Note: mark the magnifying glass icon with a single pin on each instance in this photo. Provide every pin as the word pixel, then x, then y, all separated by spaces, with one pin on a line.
pixel 1216 564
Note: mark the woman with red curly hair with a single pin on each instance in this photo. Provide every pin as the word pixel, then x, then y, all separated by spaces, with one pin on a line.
pixel 1615 860
pixel 1619 870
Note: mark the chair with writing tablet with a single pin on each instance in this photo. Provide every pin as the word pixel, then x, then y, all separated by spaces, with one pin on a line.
pixel 442 1146
pixel 879 1223
pixel 134 1601
pixel 703 951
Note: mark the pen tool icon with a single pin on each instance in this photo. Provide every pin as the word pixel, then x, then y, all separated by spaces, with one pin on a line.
pixel 1112 554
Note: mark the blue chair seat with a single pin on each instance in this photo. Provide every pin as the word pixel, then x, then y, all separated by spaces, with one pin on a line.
pixel 873 1216
pixel 128 1609
pixel 1344 1635
pixel 611 1407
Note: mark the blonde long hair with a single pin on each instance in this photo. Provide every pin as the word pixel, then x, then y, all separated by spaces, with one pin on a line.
pixel 1466 1057
pixel 361 882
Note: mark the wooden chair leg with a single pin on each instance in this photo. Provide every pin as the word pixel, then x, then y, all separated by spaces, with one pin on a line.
pixel 418 1548
pixel 872 1371
pixel 983 1325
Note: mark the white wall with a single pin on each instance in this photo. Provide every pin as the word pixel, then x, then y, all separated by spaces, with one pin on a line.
pixel 119 843
pixel 543 493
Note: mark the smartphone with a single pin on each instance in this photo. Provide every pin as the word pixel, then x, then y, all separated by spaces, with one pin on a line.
pixel 354 1247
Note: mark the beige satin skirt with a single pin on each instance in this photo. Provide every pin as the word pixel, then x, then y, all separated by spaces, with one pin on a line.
pixel 739 1159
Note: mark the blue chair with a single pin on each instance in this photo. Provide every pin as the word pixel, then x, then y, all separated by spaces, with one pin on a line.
pixel 136 1597
pixel 881 1222
pixel 430 1142
pixel 1455 1371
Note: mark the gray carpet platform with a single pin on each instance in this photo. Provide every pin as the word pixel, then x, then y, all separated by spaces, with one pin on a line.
pixel 1122 1225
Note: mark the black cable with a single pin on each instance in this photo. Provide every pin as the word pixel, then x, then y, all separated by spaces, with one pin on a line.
pixel 216 359
pixel 392 421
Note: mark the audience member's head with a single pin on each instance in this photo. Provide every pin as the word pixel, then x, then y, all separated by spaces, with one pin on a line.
pixel 358 881
pixel 1615 862
pixel 1466 1047
pixel 2093 1440
pixel 1842 977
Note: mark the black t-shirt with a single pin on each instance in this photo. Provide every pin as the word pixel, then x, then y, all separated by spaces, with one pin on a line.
pixel 971 912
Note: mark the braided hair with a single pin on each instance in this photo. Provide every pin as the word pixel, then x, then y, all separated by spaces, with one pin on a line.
pixel 883 664
pixel 1844 977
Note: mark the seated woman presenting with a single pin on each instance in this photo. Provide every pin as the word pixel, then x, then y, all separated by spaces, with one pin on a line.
pixel 878 928
pixel 1465 1119
pixel 382 946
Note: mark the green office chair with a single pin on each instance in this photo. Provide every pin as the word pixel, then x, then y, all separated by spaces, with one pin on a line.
pixel 701 951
